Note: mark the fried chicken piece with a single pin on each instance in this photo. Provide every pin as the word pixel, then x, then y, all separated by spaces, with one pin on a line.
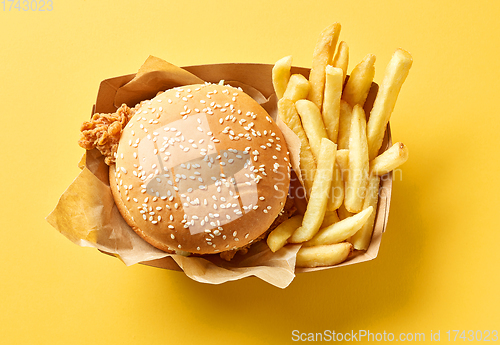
pixel 287 212
pixel 104 131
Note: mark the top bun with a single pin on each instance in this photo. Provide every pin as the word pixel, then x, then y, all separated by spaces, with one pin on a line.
pixel 201 169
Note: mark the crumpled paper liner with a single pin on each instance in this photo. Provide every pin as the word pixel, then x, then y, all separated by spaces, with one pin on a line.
pixel 86 213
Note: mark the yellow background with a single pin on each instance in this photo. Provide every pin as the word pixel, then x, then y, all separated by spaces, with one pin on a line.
pixel 438 267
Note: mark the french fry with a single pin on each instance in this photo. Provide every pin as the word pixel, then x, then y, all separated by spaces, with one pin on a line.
pixel 323 53
pixel 279 236
pixel 358 162
pixel 312 123
pixel 341 230
pixel 345 118
pixel 395 75
pixel 298 87
pixel 342 159
pixel 288 114
pixel 341 59
pixel 361 239
pixel 392 158
pixel 360 80
pixel 336 196
pixel 329 219
pixel 316 208
pixel 281 75
pixel 331 101
pixel 327 255
pixel 331 116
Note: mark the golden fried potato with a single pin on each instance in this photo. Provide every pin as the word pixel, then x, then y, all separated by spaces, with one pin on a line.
pixel 316 207
pixel 279 236
pixel 361 239
pixel 313 124
pixel 392 158
pixel 281 75
pixel 331 102
pixel 360 80
pixel 298 87
pixel 327 255
pixel 395 75
pixel 341 59
pixel 358 162
pixel 323 53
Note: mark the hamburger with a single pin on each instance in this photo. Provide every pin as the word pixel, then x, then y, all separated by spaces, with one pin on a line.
pixel 199 169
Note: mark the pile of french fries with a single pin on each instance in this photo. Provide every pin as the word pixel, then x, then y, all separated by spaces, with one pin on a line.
pixel 340 162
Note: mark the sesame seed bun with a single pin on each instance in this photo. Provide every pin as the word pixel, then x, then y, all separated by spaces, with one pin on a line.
pixel 201 169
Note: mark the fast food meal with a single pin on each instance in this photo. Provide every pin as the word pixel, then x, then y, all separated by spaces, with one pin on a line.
pixel 190 171
pixel 343 146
